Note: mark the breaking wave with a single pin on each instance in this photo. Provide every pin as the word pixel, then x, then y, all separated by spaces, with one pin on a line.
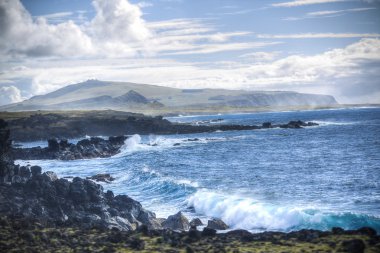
pixel 246 213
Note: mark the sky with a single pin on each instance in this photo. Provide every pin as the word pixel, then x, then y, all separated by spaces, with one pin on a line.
pixel 312 46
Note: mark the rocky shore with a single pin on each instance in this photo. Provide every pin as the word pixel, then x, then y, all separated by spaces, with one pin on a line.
pixel 40 212
pixel 28 193
pixel 20 235
pixel 32 126
pixel 63 150
pixel 96 147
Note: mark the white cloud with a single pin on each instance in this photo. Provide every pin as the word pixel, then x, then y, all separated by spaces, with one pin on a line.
pixel 109 47
pixel 58 15
pixel 348 73
pixel 117 30
pixel 324 13
pixel 328 13
pixel 296 3
pixel 10 94
pixel 144 4
pixel 261 56
pixel 318 35
pixel 22 36
pixel 214 48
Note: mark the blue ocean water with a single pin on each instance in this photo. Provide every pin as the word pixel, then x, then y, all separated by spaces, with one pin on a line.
pixel 274 179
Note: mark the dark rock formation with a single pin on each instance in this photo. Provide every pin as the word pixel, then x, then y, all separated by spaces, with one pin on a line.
pixel 98 147
pixel 31 127
pixel 102 178
pixel 20 235
pixel 298 124
pixel 7 168
pixel 63 150
pixel 353 246
pixel 177 222
pixel 60 202
pixel 27 193
pixel 217 224
pixel 196 222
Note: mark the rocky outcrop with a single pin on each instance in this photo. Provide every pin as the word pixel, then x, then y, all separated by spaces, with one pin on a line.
pixel 7 168
pixel 27 193
pixel 82 202
pixel 217 224
pixel 98 147
pixel 63 150
pixel 107 178
pixel 19 235
pixel 177 222
pixel 196 222
pixel 33 127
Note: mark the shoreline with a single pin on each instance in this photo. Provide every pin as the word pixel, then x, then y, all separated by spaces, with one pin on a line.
pixel 20 235
pixel 31 234
pixel 343 107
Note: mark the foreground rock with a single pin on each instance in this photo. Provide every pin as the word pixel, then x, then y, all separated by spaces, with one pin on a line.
pixel 196 222
pixel 27 193
pixel 177 222
pixel 217 224
pixel 20 235
pixel 59 202
pixel 63 150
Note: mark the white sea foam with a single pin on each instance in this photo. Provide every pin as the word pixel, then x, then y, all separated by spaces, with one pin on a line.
pixel 326 123
pixel 132 144
pixel 178 181
pixel 249 214
pixel 135 143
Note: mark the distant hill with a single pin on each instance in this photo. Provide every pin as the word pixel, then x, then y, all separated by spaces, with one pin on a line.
pixel 94 94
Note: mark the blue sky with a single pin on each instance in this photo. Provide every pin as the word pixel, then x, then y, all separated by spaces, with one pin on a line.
pixel 315 46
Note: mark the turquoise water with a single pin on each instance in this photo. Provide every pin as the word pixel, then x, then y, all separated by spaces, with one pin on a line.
pixel 274 179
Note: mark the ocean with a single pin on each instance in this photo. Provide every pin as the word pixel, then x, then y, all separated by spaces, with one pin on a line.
pixel 260 180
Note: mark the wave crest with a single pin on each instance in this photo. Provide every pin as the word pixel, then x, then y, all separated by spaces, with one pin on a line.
pixel 246 213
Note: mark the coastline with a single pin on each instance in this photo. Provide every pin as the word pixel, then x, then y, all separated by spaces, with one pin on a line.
pixel 29 236
pixel 160 240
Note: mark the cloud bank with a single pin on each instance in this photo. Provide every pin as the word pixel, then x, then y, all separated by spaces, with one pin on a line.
pixel 10 94
pixel 118 44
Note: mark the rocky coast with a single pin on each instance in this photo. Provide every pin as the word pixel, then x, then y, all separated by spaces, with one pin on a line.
pixel 41 212
pixel 35 126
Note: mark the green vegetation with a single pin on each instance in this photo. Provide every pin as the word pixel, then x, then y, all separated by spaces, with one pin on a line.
pixel 24 236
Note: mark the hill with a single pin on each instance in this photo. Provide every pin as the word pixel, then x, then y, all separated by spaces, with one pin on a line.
pixel 99 95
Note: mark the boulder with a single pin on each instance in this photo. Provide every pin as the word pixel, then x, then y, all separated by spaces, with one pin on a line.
pixel 177 222
pixel 50 176
pixel 53 145
pixel 208 232
pixel 266 125
pixel 217 224
pixel 36 170
pixel 353 246
pixel 102 178
pixel 196 222
pixel 367 231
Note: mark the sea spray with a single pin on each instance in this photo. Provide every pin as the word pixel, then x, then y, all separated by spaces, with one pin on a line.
pixel 246 213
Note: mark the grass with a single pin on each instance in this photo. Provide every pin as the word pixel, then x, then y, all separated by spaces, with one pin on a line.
pixel 15 236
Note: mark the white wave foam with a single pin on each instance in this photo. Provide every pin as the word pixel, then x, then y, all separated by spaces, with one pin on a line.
pixel 178 181
pixel 326 123
pixel 186 182
pixel 132 144
pixel 248 214
pixel 135 143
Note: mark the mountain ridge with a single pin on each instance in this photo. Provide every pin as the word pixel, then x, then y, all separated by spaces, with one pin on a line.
pixel 95 94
